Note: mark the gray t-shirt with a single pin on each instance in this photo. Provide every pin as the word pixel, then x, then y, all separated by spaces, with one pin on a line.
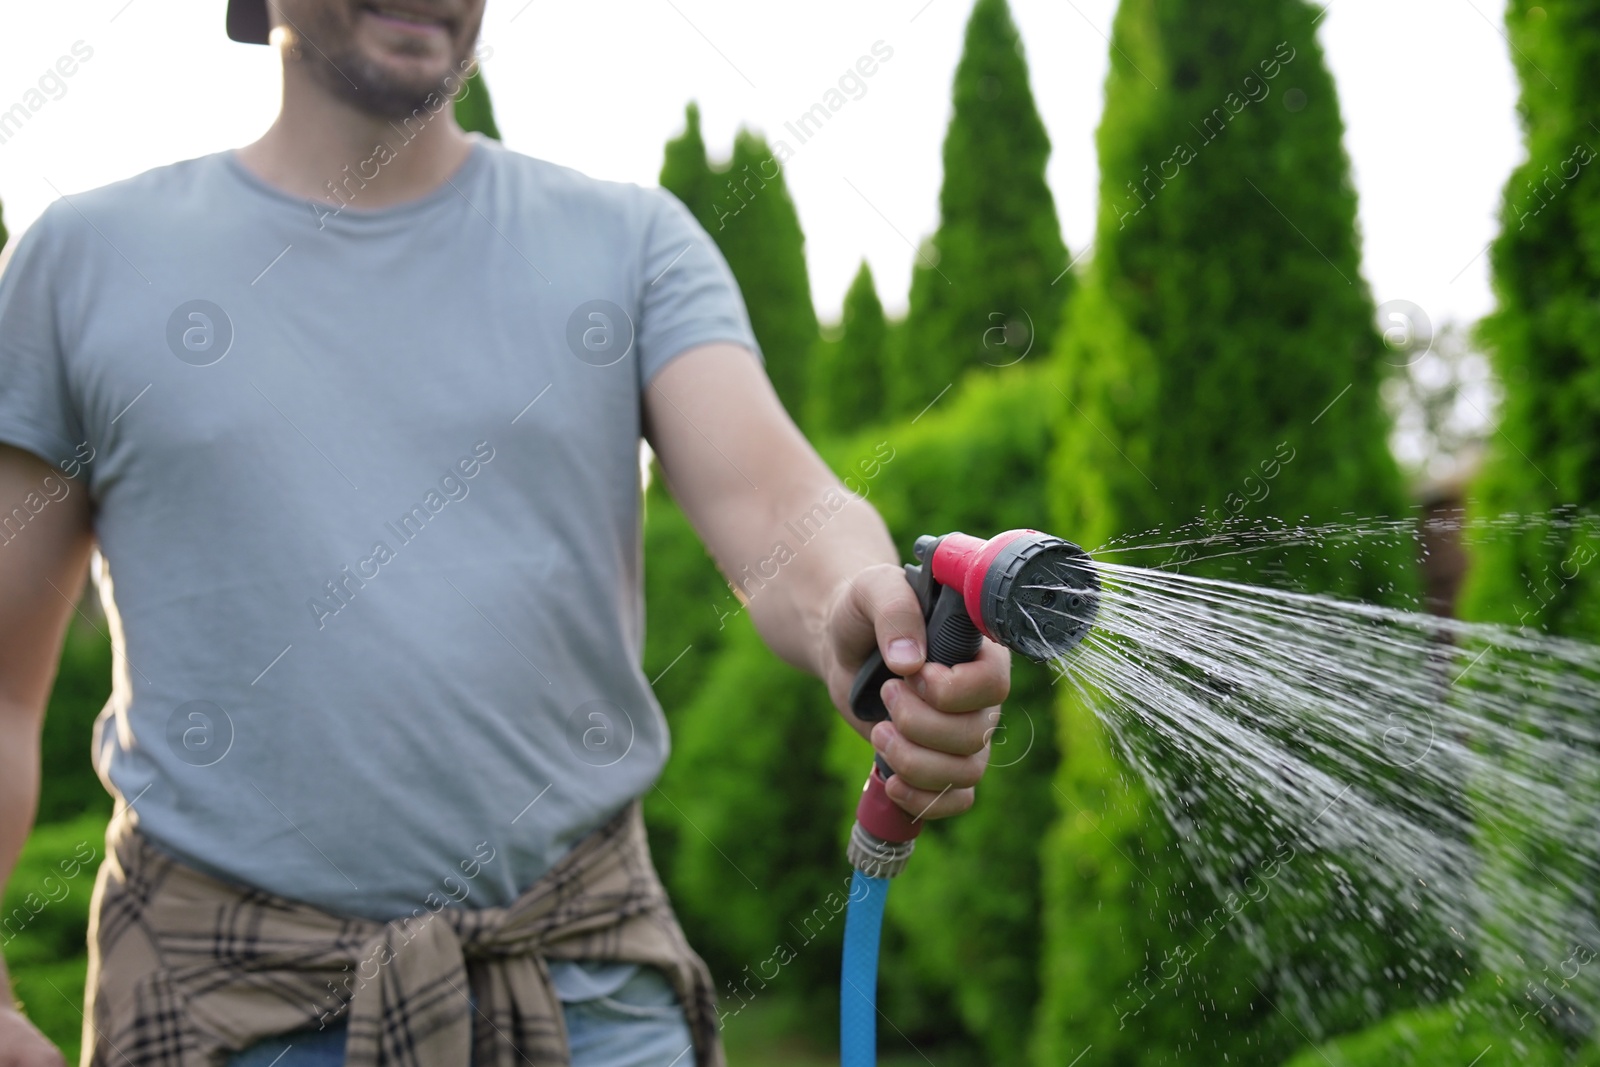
pixel 368 485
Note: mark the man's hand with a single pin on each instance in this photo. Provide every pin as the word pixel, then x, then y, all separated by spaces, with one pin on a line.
pixel 21 1045
pixel 941 718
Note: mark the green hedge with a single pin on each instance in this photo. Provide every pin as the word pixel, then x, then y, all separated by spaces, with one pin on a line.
pixel 44 922
pixel 756 852
pixel 45 913
pixel 473 109
pixel 69 786
pixel 688 608
pixel 765 774
pixel 1450 1034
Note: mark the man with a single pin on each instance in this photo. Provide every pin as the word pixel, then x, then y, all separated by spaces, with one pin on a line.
pixel 353 415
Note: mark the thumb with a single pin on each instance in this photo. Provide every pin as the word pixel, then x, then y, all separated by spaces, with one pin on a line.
pixel 887 603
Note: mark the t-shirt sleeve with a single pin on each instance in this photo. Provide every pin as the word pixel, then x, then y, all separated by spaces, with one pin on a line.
pixel 36 409
pixel 688 294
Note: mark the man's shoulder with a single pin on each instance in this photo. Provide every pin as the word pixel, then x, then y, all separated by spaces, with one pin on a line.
pixel 156 191
pixel 76 224
pixel 155 185
pixel 570 189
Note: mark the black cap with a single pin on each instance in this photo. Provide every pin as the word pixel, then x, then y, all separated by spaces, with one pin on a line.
pixel 247 21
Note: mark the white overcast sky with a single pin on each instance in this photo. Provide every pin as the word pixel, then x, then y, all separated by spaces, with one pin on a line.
pixel 1426 86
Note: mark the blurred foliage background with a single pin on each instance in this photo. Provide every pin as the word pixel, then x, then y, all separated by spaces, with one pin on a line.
pixel 1135 387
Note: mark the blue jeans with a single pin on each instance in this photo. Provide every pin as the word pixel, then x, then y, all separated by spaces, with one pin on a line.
pixel 639 1025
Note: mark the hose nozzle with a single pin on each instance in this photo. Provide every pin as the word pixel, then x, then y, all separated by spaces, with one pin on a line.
pixel 1034 593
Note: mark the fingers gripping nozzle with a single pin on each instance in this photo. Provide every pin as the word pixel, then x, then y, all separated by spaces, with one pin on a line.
pixel 1033 593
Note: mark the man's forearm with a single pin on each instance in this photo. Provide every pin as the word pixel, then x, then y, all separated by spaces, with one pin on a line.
pixel 783 529
pixel 816 544
pixel 51 555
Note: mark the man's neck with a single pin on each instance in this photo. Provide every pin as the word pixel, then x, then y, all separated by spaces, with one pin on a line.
pixel 325 150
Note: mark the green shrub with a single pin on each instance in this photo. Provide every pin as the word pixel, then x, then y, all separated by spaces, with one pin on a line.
pixel 745 206
pixel 1454 1033
pixel 756 848
pixel 474 111
pixel 69 786
pixel 689 609
pixel 44 922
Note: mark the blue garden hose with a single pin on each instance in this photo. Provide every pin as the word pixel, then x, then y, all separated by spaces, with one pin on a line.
pixel 876 860
pixel 858 978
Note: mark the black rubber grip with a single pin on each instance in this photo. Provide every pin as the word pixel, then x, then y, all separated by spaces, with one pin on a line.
pixel 952 639
pixel 866 692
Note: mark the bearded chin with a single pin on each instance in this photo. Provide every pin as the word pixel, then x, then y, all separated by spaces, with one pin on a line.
pixel 373 89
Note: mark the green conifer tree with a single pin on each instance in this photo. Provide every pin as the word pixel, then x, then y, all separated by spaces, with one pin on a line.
pixel 846 390
pixel 1219 360
pixel 685 168
pixel 699 630
pixel 1543 339
pixel 745 206
pixel 987 288
pixel 474 110
pixel 1544 467
pixel 682 583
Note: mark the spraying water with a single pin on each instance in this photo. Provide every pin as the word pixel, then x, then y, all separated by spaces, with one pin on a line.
pixel 1412 776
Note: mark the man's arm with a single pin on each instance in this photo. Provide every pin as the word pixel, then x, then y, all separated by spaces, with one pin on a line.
pixel 741 469
pixel 42 567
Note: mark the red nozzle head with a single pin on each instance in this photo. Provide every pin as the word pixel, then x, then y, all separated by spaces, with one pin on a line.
pixel 1034 593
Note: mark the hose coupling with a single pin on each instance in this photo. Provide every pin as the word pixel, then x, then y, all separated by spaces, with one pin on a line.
pixel 875 857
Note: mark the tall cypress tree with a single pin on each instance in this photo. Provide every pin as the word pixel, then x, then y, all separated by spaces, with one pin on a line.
pixel 847 375
pixel 1544 464
pixel 989 285
pixel 685 168
pixel 1223 339
pixel 474 111
pixel 1544 338
pixel 703 811
pixel 681 582
pixel 745 206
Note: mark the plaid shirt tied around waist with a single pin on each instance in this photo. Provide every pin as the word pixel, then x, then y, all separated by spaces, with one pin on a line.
pixel 185 968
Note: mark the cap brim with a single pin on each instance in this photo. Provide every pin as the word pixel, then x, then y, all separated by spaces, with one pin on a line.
pixel 247 21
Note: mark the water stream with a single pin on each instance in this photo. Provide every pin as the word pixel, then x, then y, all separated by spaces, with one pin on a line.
pixel 1388 796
